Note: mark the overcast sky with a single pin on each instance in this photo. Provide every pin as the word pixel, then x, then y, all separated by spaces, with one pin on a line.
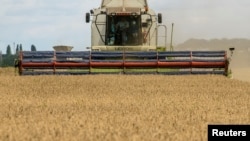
pixel 46 23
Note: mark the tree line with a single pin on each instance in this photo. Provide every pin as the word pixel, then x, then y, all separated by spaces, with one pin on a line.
pixel 8 59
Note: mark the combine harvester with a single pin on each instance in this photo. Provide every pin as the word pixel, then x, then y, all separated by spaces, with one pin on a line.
pixel 125 38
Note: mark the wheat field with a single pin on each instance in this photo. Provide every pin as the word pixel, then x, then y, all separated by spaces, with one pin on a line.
pixel 118 107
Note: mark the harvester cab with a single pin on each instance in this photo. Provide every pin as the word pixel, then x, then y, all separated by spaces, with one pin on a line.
pixel 124 25
pixel 124 39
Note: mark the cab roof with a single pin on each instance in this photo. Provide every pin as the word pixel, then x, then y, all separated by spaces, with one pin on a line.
pixel 124 3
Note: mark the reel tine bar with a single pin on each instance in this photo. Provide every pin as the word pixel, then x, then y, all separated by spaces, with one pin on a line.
pixel 82 62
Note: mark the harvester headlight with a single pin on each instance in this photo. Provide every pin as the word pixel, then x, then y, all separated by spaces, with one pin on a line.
pixel 134 14
pixel 103 12
pixel 152 50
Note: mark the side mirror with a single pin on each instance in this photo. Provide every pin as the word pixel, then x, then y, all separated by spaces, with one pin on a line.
pixel 87 17
pixel 159 18
pixel 231 49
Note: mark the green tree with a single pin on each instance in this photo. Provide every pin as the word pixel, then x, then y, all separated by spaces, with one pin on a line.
pixel 17 49
pixel 33 47
pixel 20 47
pixel 8 60
pixel 1 59
pixel 8 50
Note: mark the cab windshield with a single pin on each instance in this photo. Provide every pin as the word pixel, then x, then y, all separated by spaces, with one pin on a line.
pixel 123 30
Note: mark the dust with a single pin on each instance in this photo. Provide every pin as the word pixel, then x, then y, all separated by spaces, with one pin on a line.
pixel 240 65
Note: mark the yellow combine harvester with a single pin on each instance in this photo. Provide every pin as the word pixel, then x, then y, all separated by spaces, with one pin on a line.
pixel 124 39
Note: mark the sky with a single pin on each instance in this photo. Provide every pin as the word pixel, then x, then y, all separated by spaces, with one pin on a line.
pixel 46 23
